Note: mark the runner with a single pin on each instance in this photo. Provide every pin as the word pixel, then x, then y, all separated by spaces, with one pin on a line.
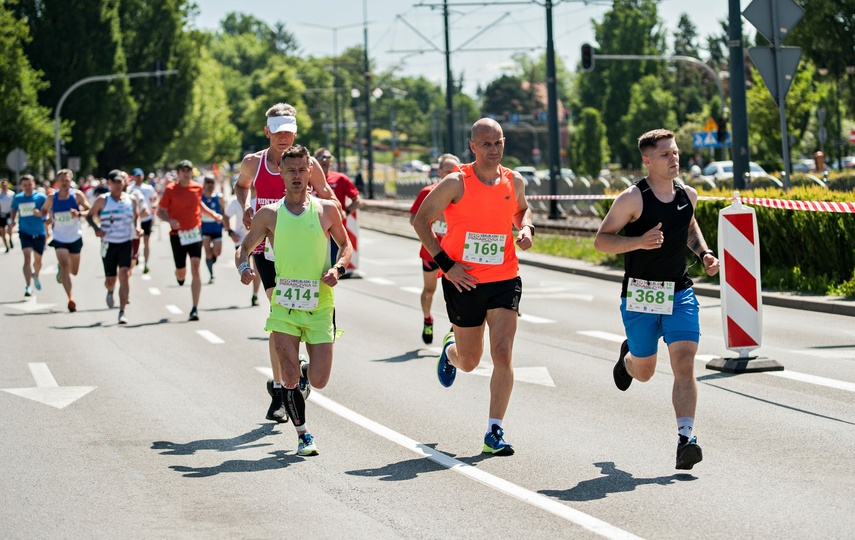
pixel 480 282
pixel 344 191
pixel 430 270
pixel 31 229
pixel 6 196
pixel 117 217
pixel 64 209
pixel 150 195
pixel 658 219
pixel 300 227
pixel 181 206
pixel 212 230
pixel 258 177
pixel 237 234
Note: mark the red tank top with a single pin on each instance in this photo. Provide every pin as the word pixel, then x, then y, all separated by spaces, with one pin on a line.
pixel 269 188
pixel 476 224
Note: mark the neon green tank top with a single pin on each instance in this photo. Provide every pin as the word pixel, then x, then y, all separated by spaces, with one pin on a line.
pixel 302 248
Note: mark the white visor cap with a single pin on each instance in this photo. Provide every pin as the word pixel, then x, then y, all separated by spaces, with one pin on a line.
pixel 275 124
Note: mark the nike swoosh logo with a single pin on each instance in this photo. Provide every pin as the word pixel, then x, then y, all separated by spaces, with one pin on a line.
pixel 681 207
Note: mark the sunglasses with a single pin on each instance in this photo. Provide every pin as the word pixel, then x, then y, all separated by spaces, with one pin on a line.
pixel 324 158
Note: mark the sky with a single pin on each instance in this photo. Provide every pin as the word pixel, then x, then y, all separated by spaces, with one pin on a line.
pixel 486 36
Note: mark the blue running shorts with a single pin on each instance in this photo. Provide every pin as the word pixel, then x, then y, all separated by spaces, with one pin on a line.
pixel 643 330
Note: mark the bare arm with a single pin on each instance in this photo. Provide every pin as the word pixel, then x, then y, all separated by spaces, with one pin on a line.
pixel 696 241
pixel 97 206
pixel 319 181
pixel 264 222
pixel 522 219
pixel 339 234
pixel 248 168
pixel 626 208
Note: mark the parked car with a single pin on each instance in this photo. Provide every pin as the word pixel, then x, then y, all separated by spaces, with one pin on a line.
pixel 848 163
pixel 415 165
pixel 529 174
pixel 723 170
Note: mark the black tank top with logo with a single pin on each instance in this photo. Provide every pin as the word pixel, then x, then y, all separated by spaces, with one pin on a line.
pixel 668 263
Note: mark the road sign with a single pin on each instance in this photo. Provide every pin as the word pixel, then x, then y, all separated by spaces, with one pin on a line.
pixel 74 164
pixel 764 59
pixel 708 139
pixel 759 13
pixel 710 126
pixel 852 136
pixel 822 135
pixel 17 160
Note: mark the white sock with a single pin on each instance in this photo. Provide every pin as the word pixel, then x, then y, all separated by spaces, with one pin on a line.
pixel 491 422
pixel 277 384
pixel 685 425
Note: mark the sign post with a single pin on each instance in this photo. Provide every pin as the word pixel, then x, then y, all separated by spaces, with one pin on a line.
pixel 17 161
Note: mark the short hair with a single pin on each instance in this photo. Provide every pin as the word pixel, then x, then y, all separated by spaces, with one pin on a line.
pixel 29 177
pixel 652 138
pixel 321 150
pixel 65 171
pixel 296 151
pixel 443 159
pixel 281 109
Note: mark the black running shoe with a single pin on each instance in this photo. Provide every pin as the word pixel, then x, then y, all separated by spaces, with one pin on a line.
pixel 194 315
pixel 427 333
pixel 688 453
pixel 622 378
pixel 276 411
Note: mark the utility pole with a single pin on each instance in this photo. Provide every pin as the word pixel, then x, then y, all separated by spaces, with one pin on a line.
pixel 369 142
pixel 739 150
pixel 449 87
pixel 552 98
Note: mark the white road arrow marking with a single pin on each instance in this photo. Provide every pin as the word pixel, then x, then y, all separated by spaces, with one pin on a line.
pixel 210 336
pixel 175 310
pixel 154 291
pixel 380 281
pixel 608 336
pixel 414 290
pixel 30 306
pixel 533 375
pixel 47 391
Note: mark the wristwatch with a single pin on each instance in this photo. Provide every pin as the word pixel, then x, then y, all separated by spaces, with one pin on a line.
pixel 340 269
pixel 531 228
pixel 704 252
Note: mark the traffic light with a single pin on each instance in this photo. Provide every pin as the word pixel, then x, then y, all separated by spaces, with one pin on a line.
pixel 587 57
pixel 722 130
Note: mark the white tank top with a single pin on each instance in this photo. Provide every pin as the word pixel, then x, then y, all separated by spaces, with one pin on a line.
pixel 117 219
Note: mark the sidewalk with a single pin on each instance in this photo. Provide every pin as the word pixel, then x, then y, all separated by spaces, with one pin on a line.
pixel 392 217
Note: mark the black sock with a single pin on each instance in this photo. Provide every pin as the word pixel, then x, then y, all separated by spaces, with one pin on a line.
pixel 296 406
pixel 210 264
pixel 214 258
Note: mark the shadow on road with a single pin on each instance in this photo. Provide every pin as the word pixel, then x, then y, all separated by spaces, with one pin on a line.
pixel 79 327
pixel 241 442
pixel 402 470
pixel 415 354
pixel 278 460
pixel 615 481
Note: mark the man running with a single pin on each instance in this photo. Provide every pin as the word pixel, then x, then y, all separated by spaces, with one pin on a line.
pixel 237 234
pixel 181 206
pixel 658 219
pixel 150 195
pixel 480 282
pixel 65 209
pixel 259 176
pixel 344 191
pixel 6 196
pixel 117 217
pixel 430 270
pixel 212 230
pixel 27 209
pixel 299 229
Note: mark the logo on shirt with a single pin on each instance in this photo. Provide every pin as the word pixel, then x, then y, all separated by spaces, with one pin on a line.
pixel 681 207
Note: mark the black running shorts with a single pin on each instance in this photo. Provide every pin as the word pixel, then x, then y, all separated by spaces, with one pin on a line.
pixel 468 309
pixel 179 252
pixel 266 269
pixel 118 256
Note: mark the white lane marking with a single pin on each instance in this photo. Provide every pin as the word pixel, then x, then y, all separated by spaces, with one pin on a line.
pixel 154 291
pixel 409 261
pixel 175 310
pixel 42 375
pixel 559 296
pixel 210 336
pixel 534 319
pixel 556 508
pixel 533 375
pixel 829 353
pixel 705 357
pixel 146 277
pixel 414 290
pixel 608 336
pixel 813 379
pixel 380 281
pixel 30 305
pixel 266 371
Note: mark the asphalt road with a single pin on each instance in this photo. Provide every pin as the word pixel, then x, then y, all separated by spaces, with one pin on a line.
pixel 157 430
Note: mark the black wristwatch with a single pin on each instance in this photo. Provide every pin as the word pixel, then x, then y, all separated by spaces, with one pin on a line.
pixel 340 269
pixel 531 228
pixel 704 252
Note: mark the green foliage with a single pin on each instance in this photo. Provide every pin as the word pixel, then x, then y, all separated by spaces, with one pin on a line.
pixel 574 247
pixel 650 107
pixel 588 145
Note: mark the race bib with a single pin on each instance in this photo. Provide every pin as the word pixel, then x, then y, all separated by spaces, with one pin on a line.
pixel 298 293
pixel 27 209
pixel 207 219
pixel 268 251
pixel 104 247
pixel 650 296
pixel 185 238
pixel 63 219
pixel 439 227
pixel 484 248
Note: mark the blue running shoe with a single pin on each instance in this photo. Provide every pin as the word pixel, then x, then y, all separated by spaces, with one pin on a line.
pixel 495 444
pixel 306 446
pixel 444 370
pixel 37 283
pixel 303 384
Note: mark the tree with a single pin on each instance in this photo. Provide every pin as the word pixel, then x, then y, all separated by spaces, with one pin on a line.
pixel 589 145
pixel 23 122
pixel 688 83
pixel 280 83
pixel 650 107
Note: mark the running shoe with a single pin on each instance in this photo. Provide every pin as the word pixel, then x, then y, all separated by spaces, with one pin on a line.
pixel 427 333
pixel 145 269
pixel 11 243
pixel 211 280
pixel 254 300
pixel 37 283
pixel 180 282
pixel 276 411
pixel 495 444
pixel 303 384
pixel 306 446
pixel 122 318
pixel 110 302
pixel 444 370
pixel 28 291
pixel 72 307
pixel 194 315
pixel 622 377
pixel 688 453
pixel 59 275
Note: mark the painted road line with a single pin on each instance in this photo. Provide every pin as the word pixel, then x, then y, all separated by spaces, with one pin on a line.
pixel 146 277
pixel 47 391
pixel 175 310
pixel 380 281
pixel 608 336
pixel 560 296
pixel 532 498
pixel 533 375
pixel 154 291
pixel 210 336
pixel 534 319
pixel 30 305
pixel 813 379
pixel 414 290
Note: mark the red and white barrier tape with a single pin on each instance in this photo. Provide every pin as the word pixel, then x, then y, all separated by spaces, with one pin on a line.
pixel 846 207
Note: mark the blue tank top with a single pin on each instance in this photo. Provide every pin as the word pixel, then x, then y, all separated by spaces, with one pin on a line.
pixel 209 225
pixel 66 227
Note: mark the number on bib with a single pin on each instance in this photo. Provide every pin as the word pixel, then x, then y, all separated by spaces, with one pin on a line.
pixel 484 248
pixel 191 236
pixel 650 296
pixel 26 209
pixel 298 293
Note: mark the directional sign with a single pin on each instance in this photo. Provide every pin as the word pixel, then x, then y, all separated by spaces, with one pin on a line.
pixel 706 139
pixel 759 13
pixel 47 391
pixel 764 59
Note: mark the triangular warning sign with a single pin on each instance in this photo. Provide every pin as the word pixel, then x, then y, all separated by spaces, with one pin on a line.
pixel 764 60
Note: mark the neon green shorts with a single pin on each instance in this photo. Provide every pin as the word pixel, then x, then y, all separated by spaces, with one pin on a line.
pixel 313 327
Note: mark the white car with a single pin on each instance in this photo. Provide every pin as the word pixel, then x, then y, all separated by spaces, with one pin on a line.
pixel 722 170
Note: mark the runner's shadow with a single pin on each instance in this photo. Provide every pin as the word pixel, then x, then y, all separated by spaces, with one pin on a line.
pixel 142 325
pixel 415 354
pixel 227 308
pixel 241 442
pixel 81 327
pixel 279 460
pixel 615 481
pixel 402 470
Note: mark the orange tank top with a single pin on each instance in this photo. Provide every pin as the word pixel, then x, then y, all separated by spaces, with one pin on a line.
pixel 480 227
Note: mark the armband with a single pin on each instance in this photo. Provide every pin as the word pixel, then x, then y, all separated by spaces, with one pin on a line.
pixel 445 262
pixel 244 266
